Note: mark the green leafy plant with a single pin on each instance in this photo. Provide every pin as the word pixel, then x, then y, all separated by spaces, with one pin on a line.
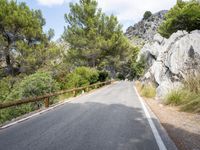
pixel 81 76
pixel 146 15
pixel 36 84
pixel 103 76
pixel 183 16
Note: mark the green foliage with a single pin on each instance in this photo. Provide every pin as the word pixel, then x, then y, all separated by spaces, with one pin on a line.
pixel 188 97
pixel 138 67
pixel 96 40
pixel 148 90
pixel 103 76
pixel 19 24
pixel 175 97
pixel 146 15
pixel 81 76
pixel 183 16
pixel 120 76
pixel 4 88
pixel 36 84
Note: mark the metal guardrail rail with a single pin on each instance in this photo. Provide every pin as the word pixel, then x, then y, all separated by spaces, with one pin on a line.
pixel 46 97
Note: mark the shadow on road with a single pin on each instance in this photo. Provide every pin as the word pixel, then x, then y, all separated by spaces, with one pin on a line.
pixel 83 126
pixel 178 135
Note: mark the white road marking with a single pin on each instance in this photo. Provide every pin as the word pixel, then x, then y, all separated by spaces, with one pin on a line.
pixel 159 141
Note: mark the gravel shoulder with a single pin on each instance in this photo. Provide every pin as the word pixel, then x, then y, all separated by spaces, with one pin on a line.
pixel 182 127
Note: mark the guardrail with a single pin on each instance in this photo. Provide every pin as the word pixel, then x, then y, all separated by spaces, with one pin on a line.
pixel 46 97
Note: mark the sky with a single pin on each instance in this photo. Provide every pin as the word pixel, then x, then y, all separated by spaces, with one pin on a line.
pixel 128 12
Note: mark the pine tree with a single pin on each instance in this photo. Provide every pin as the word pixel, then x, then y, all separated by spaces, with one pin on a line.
pixel 18 23
pixel 95 39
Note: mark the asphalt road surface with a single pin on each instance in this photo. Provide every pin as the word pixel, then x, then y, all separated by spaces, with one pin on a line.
pixel 110 118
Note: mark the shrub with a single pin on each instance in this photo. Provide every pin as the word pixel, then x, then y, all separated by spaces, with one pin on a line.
pixel 74 80
pixel 188 97
pixel 7 84
pixel 148 90
pixel 103 76
pixel 183 16
pixel 176 97
pixel 146 15
pixel 138 68
pixel 36 84
pixel 120 76
pixel 81 76
pixel 4 88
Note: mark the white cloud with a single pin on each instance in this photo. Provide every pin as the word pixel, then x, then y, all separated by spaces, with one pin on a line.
pixel 51 2
pixel 132 10
pixel 127 11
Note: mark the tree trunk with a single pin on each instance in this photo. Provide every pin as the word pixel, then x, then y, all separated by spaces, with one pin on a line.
pixel 8 61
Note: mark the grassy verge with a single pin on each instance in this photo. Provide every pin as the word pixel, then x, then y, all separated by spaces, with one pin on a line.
pixel 188 98
pixel 146 90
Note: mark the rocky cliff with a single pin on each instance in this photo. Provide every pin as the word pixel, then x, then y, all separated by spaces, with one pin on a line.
pixel 171 60
pixel 146 28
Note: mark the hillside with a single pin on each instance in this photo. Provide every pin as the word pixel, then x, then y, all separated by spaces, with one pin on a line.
pixel 145 29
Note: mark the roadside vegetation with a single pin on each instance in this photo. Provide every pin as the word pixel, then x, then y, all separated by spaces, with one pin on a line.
pixel 185 15
pixel 188 97
pixel 146 90
pixel 92 49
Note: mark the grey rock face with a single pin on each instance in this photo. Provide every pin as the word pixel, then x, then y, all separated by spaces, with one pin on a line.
pixel 146 29
pixel 172 59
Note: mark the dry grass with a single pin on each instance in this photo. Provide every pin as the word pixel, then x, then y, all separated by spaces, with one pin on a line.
pixel 146 90
pixel 188 97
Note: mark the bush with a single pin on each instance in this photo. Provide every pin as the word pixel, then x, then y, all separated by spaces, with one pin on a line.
pixel 4 88
pixel 175 97
pixel 148 90
pixel 138 68
pixel 81 76
pixel 120 76
pixel 36 84
pixel 7 84
pixel 183 16
pixel 103 76
pixel 146 15
pixel 188 97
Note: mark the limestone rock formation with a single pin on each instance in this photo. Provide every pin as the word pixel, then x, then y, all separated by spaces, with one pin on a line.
pixel 171 60
pixel 146 28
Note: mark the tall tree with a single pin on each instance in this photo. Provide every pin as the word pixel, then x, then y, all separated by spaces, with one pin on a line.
pixel 82 31
pixel 18 23
pixel 96 40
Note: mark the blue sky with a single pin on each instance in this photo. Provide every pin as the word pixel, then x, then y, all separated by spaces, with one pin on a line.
pixel 127 11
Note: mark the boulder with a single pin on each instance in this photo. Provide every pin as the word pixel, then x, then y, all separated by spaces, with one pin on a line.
pixel 172 59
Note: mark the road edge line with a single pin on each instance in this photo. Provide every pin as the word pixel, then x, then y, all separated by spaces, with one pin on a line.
pixel 156 134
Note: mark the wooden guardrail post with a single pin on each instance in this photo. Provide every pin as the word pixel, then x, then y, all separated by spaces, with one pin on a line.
pixel 87 89
pixel 74 93
pixel 46 102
